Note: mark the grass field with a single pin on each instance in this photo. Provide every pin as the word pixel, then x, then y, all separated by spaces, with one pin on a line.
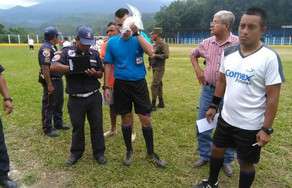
pixel 38 161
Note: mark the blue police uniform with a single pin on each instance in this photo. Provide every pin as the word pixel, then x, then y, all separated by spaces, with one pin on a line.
pixel 52 105
pixel 4 158
pixel 84 100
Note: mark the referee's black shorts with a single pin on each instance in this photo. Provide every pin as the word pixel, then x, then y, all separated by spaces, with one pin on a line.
pixel 228 136
pixel 127 93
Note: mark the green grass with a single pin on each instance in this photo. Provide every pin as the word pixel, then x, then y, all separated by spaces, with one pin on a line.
pixel 40 160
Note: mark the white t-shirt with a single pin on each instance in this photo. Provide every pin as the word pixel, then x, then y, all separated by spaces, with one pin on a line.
pixel 66 43
pixel 246 80
pixel 30 42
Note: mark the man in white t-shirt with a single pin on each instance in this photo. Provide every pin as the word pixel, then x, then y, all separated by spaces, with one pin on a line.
pixel 31 44
pixel 250 75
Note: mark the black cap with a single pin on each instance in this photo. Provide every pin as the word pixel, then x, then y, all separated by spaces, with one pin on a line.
pixel 85 35
pixel 50 32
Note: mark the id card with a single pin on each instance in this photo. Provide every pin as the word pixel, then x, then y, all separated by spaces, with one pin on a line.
pixel 139 60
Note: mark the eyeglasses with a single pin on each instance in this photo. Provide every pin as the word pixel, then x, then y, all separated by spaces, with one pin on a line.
pixel 120 25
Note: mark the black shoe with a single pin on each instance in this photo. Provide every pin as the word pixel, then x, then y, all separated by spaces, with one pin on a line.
pixel 154 158
pixel 153 108
pixel 72 160
pixel 6 182
pixel 160 103
pixel 129 158
pixel 101 160
pixel 205 184
pixel 64 127
pixel 52 133
pixel 200 162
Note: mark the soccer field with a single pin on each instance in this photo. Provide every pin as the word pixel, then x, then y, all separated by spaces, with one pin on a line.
pixel 38 161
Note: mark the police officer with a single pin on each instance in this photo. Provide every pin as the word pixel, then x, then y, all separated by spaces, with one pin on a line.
pixel 82 68
pixel 53 91
pixel 157 63
pixel 5 181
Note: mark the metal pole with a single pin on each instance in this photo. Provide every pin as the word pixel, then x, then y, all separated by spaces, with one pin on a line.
pixel 37 38
pixel 18 37
pixel 9 41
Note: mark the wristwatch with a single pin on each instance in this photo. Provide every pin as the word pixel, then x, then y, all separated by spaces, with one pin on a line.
pixel 268 130
pixel 7 99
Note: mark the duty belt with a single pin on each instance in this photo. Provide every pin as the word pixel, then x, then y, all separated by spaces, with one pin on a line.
pixel 84 95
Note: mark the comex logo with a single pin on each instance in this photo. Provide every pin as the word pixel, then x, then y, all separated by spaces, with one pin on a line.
pixel 239 77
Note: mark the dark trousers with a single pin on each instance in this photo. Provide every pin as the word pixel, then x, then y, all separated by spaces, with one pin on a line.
pixel 156 86
pixel 4 159
pixel 91 107
pixel 52 106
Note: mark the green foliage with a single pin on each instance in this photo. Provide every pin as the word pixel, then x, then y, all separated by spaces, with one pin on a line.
pixel 195 15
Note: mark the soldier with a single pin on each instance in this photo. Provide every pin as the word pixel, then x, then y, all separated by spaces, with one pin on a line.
pixel 157 63
pixel 82 68
pixel 5 181
pixel 53 91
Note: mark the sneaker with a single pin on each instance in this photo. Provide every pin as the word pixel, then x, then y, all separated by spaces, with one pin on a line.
pixel 6 182
pixel 154 158
pixel 63 127
pixel 205 184
pixel 52 133
pixel 133 137
pixel 227 169
pixel 110 133
pixel 101 160
pixel 72 160
pixel 200 162
pixel 129 158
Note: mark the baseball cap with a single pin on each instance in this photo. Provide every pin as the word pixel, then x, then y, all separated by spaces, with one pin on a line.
pixel 85 35
pixel 51 32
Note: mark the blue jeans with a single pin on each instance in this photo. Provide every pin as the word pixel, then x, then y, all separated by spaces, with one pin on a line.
pixel 205 138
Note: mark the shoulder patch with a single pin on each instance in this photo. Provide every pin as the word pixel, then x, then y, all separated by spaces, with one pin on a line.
pixel 229 50
pixel 56 58
pixel 71 53
pixel 46 52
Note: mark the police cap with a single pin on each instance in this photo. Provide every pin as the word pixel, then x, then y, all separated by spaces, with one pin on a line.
pixel 50 32
pixel 85 35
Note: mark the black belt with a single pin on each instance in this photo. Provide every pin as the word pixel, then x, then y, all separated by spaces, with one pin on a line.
pixel 56 78
pixel 84 95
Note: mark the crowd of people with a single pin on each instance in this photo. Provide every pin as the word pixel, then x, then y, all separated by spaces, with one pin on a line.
pixel 241 81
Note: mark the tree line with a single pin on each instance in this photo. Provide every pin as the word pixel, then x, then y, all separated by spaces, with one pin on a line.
pixel 195 15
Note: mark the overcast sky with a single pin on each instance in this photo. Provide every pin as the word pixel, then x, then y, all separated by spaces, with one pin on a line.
pixel 6 4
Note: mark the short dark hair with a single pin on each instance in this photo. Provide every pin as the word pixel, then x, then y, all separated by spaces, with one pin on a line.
pixel 111 23
pixel 121 12
pixel 66 38
pixel 258 12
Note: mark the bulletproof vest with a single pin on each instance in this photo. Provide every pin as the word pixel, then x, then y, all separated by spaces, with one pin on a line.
pixel 81 83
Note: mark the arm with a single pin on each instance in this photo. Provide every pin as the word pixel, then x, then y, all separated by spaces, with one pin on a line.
pixel 273 94
pixel 59 67
pixel 198 70
pixel 219 93
pixel 148 49
pixel 7 103
pixel 46 73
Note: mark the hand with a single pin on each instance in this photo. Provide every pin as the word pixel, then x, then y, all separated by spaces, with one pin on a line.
pixel 210 114
pixel 200 76
pixel 93 72
pixel 107 95
pixel 8 107
pixel 149 68
pixel 263 138
pixel 134 28
pixel 51 89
